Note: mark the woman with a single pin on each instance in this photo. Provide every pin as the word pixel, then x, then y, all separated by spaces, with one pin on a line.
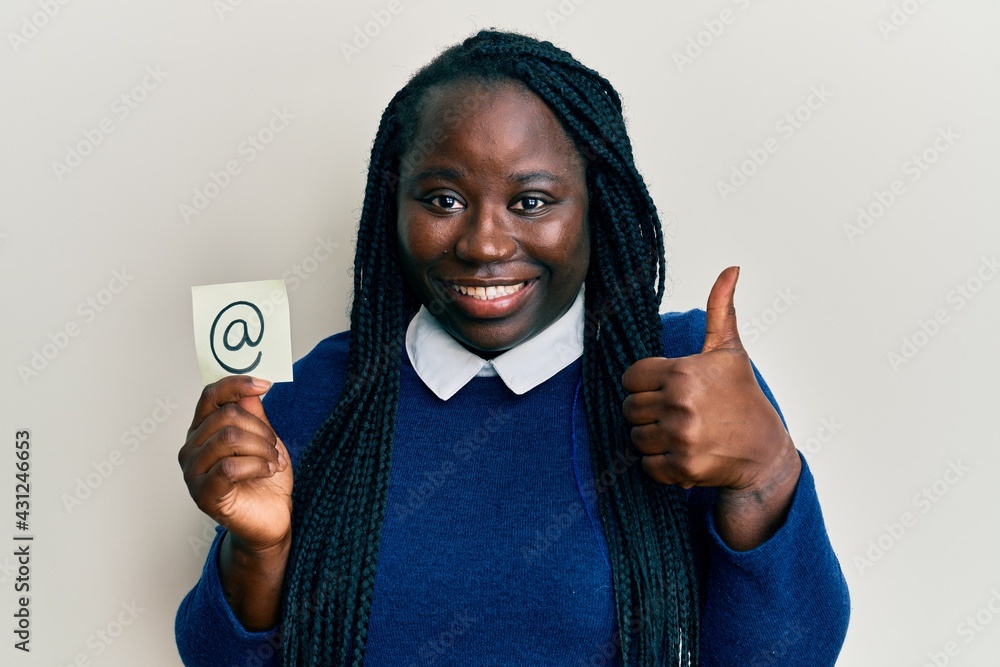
pixel 466 487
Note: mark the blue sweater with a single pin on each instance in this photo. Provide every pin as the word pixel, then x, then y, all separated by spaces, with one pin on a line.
pixel 492 552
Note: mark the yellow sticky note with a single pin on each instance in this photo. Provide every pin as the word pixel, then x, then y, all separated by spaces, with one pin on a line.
pixel 243 329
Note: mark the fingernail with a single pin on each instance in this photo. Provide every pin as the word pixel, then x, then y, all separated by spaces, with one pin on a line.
pixel 261 383
pixel 270 466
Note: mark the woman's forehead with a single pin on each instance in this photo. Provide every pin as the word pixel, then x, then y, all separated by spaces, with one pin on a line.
pixel 451 102
pixel 465 113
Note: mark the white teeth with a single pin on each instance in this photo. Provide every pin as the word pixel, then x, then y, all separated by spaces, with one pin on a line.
pixel 487 293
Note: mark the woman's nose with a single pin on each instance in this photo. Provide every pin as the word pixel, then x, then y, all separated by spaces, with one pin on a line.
pixel 486 238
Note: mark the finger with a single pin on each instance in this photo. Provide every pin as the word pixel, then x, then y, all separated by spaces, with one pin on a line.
pixel 661 469
pixel 233 414
pixel 645 375
pixel 230 415
pixel 230 442
pixel 254 406
pixel 283 458
pixel 675 429
pixel 651 439
pixel 228 390
pixel 721 330
pixel 642 408
pixel 211 487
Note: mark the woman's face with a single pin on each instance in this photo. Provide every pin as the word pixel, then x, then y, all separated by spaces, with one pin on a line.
pixel 492 222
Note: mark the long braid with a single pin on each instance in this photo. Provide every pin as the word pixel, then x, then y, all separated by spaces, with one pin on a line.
pixel 656 581
pixel 341 483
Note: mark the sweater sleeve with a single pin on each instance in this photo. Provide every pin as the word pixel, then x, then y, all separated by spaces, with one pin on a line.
pixel 208 634
pixel 205 628
pixel 783 603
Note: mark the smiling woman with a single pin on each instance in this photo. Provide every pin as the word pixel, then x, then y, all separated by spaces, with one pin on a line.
pixel 492 223
pixel 465 483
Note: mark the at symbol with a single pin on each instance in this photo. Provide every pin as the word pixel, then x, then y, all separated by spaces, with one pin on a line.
pixel 244 339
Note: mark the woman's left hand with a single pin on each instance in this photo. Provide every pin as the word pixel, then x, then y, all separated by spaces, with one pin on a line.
pixel 703 420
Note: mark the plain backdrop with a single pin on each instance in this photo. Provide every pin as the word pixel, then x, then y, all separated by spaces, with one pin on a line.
pixel 878 336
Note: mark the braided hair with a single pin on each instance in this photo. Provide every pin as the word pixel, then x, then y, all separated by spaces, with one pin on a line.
pixel 342 481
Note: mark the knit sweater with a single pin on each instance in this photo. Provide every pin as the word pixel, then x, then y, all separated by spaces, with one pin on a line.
pixel 492 551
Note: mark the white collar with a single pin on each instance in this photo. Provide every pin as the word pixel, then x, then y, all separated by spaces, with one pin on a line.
pixel 445 366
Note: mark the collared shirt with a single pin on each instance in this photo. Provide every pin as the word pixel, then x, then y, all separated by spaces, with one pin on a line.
pixel 445 366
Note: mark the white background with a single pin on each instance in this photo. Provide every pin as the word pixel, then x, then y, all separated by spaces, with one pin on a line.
pixel 137 539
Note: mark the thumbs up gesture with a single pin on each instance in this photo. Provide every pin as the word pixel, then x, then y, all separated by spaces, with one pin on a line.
pixel 703 420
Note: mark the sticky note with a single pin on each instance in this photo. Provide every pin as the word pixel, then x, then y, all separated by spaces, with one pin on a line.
pixel 243 329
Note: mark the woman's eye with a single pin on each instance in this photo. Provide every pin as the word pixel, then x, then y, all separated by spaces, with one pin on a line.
pixel 446 202
pixel 530 203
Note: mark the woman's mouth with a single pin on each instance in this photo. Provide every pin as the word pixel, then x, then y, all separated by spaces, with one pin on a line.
pixel 489 292
pixel 489 301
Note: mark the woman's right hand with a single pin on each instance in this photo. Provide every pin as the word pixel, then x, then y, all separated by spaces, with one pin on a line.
pixel 236 468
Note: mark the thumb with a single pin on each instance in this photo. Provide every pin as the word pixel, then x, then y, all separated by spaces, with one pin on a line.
pixel 721 330
pixel 255 406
